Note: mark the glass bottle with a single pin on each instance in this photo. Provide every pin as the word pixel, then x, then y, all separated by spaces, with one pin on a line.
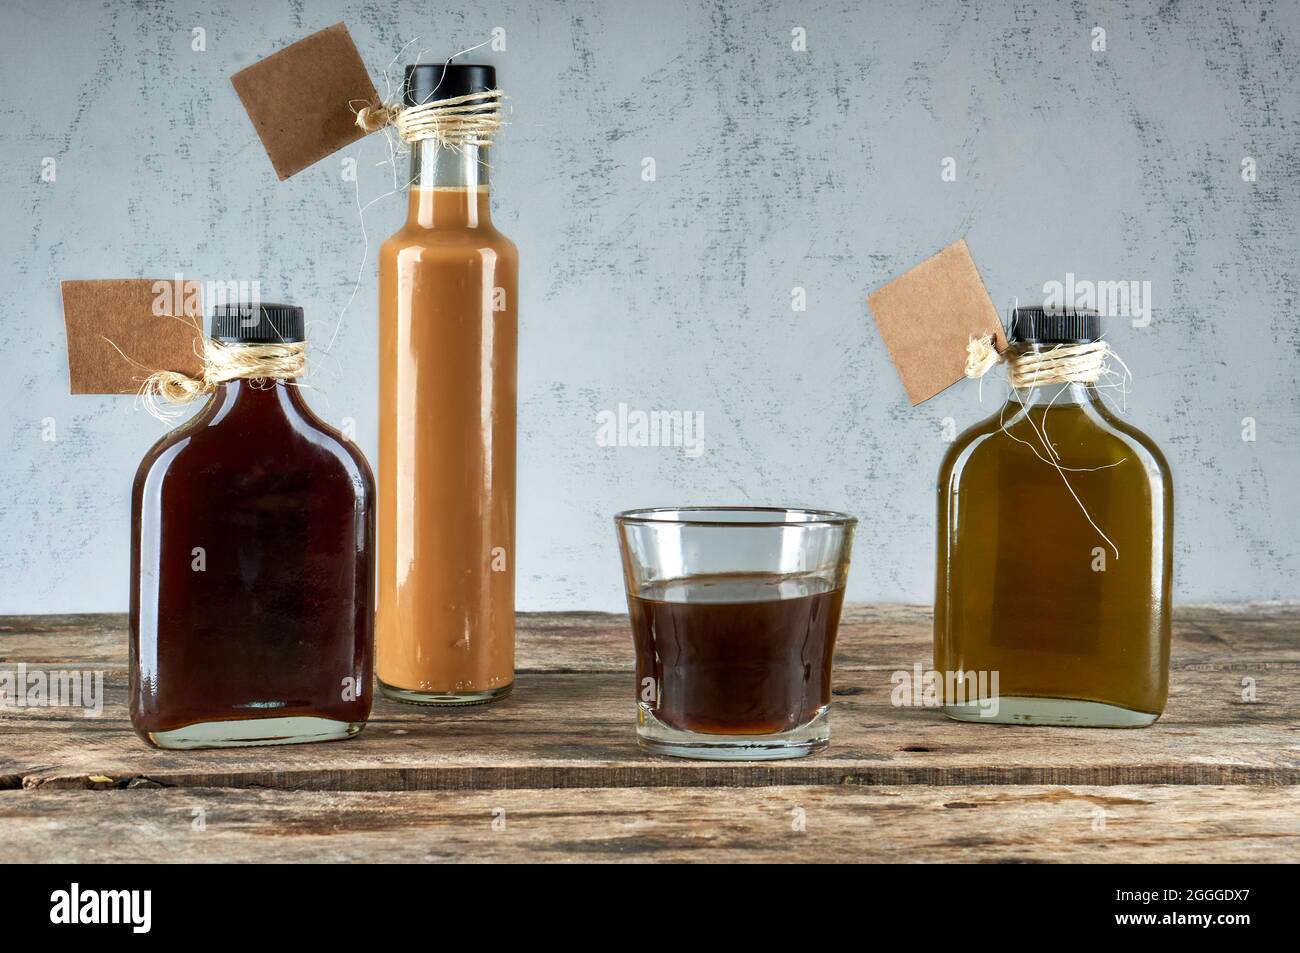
pixel 1056 580
pixel 252 567
pixel 447 391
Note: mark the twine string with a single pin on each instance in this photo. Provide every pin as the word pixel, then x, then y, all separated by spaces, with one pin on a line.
pixel 221 363
pixel 1062 364
pixel 372 118
pixel 469 120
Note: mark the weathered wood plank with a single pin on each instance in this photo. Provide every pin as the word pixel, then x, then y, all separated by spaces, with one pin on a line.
pixel 1148 824
pixel 576 730
pixel 871 636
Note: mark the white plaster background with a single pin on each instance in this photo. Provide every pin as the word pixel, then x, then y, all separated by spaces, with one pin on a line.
pixel 776 169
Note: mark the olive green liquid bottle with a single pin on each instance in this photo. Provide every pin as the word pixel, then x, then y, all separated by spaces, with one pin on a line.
pixel 1057 580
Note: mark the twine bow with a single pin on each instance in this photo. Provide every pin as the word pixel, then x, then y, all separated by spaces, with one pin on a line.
pixel 221 363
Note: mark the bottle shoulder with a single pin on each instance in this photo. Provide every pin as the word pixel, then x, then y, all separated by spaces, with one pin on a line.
pixel 415 236
pixel 1087 437
pixel 164 451
pixel 212 449
pixel 970 440
pixel 332 440
pixel 1134 437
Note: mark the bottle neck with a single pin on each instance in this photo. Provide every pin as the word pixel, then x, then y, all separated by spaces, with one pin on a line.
pixel 268 401
pixel 1056 394
pixel 449 187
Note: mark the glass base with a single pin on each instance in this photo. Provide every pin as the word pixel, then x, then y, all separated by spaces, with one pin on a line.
pixel 255 731
pixel 1058 712
pixel 653 735
pixel 413 697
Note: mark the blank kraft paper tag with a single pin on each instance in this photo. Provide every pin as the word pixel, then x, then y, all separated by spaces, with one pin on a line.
pixel 120 330
pixel 928 315
pixel 302 99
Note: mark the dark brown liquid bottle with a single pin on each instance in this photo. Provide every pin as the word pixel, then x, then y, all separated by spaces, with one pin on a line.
pixel 252 567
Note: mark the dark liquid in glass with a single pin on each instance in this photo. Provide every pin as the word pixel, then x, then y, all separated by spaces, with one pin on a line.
pixel 252 573
pixel 741 654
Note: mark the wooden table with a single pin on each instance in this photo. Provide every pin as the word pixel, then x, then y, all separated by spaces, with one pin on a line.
pixel 554 773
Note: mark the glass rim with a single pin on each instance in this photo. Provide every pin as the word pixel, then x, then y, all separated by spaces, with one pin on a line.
pixel 648 515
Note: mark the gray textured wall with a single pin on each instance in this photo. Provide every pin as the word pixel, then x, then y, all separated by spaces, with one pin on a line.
pixel 775 169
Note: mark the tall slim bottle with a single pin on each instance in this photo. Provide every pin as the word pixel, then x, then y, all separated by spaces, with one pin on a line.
pixel 447 376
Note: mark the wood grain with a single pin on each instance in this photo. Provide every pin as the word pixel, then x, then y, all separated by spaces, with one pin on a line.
pixel 1216 779
pixel 576 730
pixel 1151 824
pixel 871 636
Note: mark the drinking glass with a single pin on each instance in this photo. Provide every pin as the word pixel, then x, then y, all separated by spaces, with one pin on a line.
pixel 734 615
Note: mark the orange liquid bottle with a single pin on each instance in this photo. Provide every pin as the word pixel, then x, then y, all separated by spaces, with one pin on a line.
pixel 447 371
